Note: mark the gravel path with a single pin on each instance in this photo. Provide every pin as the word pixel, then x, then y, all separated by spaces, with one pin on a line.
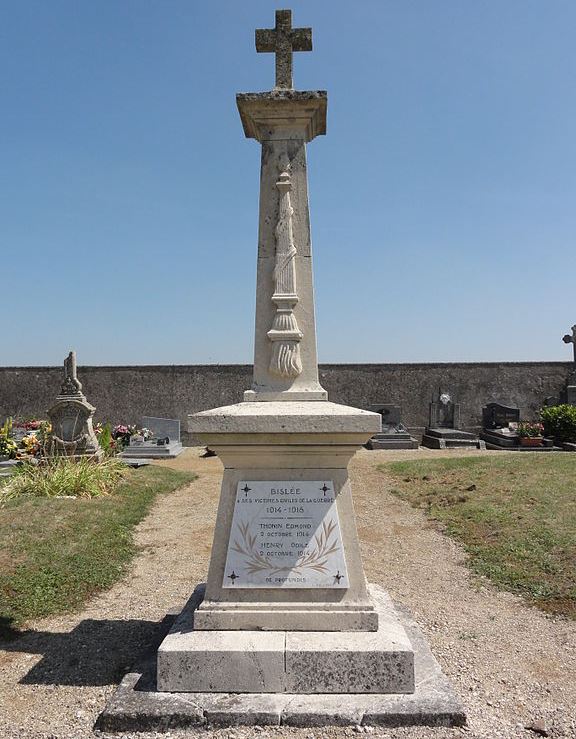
pixel 512 665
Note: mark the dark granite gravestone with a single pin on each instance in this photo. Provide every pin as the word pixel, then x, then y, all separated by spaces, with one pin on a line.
pixel 498 430
pixel 394 434
pixel 443 431
pixel 497 416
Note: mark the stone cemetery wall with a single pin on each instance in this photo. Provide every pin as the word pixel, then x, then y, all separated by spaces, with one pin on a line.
pixel 125 394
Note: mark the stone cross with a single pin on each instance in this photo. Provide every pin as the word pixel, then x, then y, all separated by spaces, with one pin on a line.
pixel 283 40
pixel 571 339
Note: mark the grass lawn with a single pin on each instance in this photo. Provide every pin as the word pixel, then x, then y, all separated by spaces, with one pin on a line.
pixel 514 513
pixel 56 553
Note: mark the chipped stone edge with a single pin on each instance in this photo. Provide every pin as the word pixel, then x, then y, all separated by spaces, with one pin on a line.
pixel 434 703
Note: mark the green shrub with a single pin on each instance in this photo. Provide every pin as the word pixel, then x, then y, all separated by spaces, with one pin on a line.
pixel 64 476
pixel 560 422
pixel 106 440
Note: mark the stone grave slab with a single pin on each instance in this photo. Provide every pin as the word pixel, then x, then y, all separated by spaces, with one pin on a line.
pixel 164 444
pixel 443 430
pixel 498 430
pixel 394 434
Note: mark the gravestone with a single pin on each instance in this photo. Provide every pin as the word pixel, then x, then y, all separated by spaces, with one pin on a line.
pixel 443 430
pixel 71 417
pixel 164 444
pixel 497 416
pixel 394 434
pixel 496 429
pixel 499 432
pixel 570 390
pixel 286 628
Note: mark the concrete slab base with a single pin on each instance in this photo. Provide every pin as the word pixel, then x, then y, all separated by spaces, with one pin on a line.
pixel 136 462
pixel 382 661
pixel 391 441
pixel 451 439
pixel 137 705
pixel 153 451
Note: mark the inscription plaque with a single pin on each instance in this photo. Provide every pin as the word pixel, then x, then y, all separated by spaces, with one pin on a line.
pixel 285 534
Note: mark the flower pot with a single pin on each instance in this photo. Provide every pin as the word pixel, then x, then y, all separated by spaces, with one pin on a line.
pixel 531 440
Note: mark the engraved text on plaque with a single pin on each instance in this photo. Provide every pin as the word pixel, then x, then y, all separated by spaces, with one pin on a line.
pixel 285 534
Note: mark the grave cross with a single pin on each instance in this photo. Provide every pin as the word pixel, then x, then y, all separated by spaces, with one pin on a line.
pixel 283 40
pixel 571 339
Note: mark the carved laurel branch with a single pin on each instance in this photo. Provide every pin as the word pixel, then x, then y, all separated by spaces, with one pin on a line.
pixel 315 560
pixel 285 334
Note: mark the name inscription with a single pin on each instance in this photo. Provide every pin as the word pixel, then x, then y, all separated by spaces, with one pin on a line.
pixel 285 534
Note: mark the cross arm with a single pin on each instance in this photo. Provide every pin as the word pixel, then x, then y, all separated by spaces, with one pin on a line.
pixel 265 39
pixel 301 39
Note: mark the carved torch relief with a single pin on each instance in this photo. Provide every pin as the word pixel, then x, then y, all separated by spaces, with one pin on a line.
pixel 285 334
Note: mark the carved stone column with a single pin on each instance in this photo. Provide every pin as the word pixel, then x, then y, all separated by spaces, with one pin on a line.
pixel 285 359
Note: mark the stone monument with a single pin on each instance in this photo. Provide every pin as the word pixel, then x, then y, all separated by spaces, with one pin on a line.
pixel 570 390
pixel 286 622
pixel 394 434
pixel 71 416
pixel 443 430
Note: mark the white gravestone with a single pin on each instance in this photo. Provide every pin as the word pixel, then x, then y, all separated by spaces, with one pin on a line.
pixel 285 534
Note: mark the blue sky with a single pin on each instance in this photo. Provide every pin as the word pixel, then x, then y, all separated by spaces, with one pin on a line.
pixel 442 198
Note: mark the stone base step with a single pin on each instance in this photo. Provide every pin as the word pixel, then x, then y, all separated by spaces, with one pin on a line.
pixel 137 705
pixel 382 661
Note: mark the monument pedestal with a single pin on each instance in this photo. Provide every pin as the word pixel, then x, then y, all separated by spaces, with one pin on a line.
pixel 286 556
pixel 286 607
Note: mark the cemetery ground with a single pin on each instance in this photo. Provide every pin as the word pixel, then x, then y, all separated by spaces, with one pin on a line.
pixel 512 663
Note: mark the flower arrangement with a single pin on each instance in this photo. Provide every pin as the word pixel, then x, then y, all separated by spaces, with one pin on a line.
pixel 8 447
pixel 30 424
pixel 530 429
pixel 31 445
pixel 123 432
